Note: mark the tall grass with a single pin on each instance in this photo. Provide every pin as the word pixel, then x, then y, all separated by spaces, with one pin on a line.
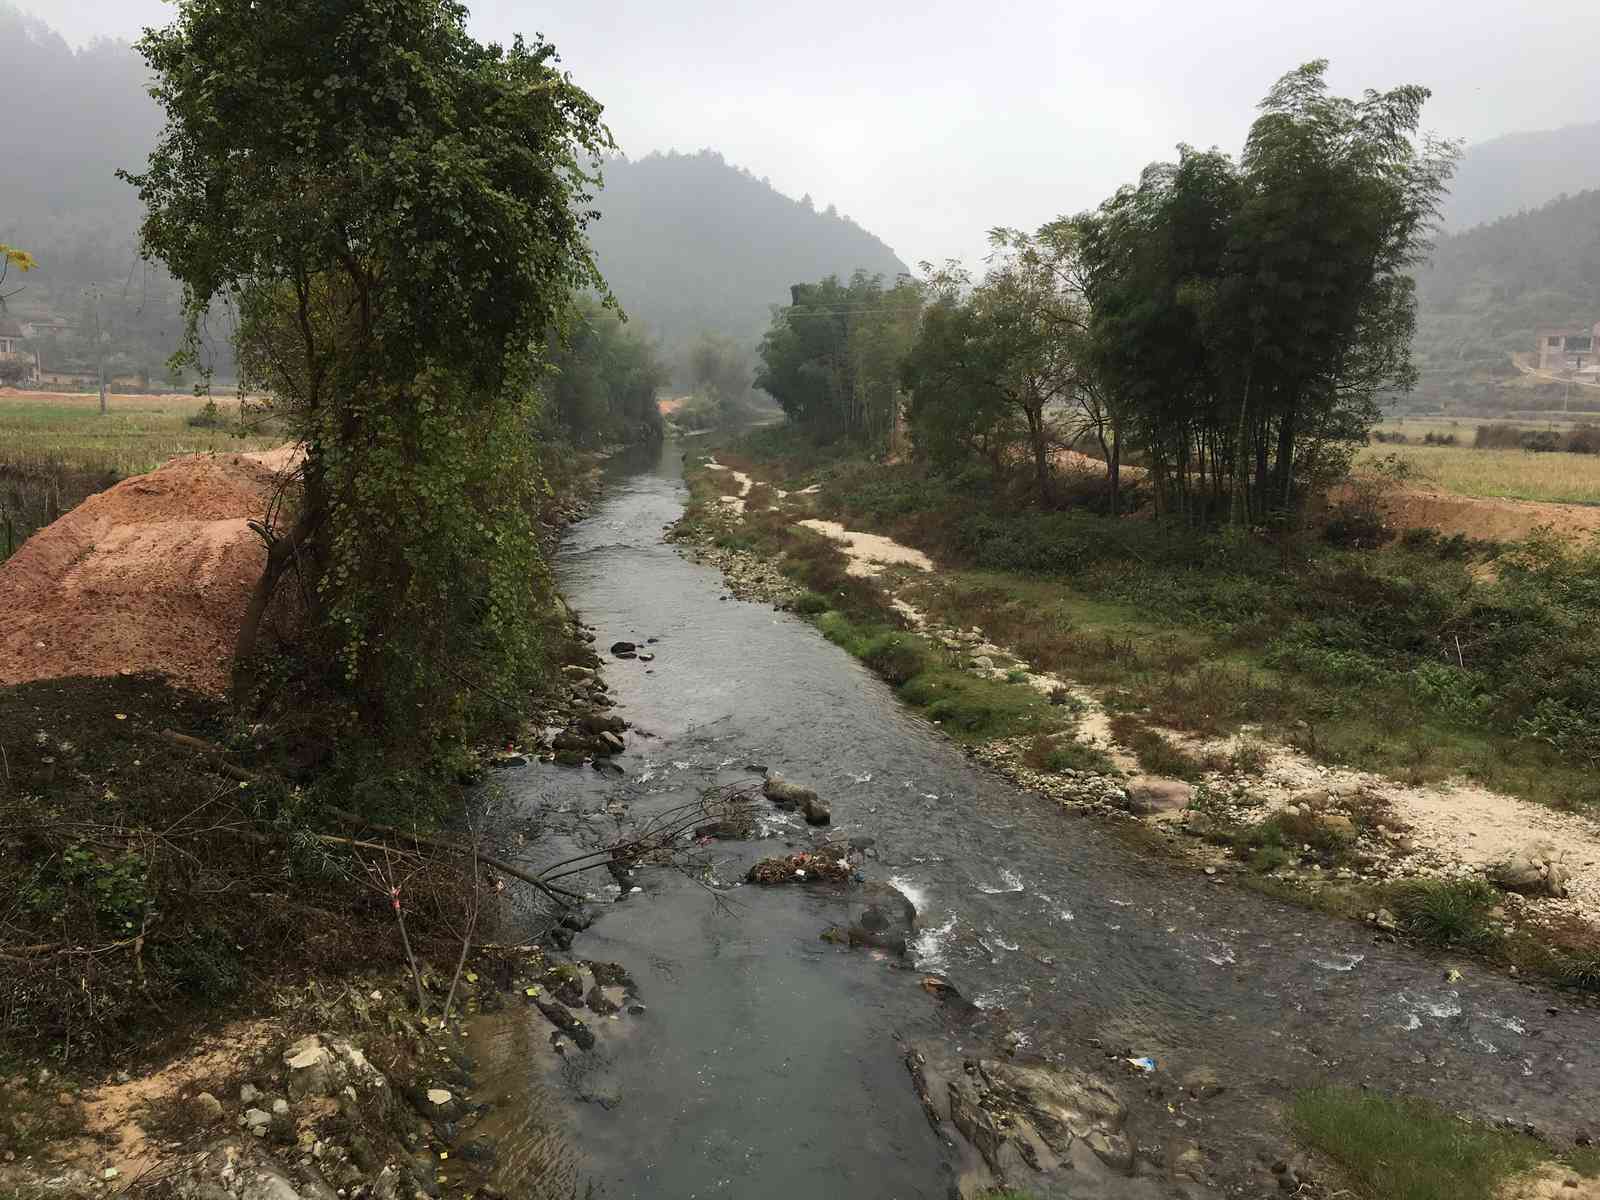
pixel 1401 1149
pixel 1500 474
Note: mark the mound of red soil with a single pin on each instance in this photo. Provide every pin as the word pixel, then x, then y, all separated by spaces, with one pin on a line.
pixel 150 575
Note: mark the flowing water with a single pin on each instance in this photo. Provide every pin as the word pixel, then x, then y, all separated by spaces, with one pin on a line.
pixel 766 1063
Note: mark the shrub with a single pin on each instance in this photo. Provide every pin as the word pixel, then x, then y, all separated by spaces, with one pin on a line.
pixel 1498 436
pixel 1155 753
pixel 1055 753
pixel 209 417
pixel 809 604
pixel 897 657
pixel 1453 912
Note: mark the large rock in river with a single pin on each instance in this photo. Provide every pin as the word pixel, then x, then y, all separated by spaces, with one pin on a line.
pixel 786 794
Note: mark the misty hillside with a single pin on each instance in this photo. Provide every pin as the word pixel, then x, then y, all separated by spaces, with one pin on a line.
pixel 1522 171
pixel 690 242
pixel 1488 289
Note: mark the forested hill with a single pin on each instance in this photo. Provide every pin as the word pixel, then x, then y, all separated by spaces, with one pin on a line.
pixel 692 243
pixel 1522 171
pixel 1487 290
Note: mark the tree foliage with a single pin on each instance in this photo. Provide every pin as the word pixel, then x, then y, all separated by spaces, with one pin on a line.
pixel 999 369
pixel 831 359
pixel 397 214
pixel 1246 316
pixel 603 378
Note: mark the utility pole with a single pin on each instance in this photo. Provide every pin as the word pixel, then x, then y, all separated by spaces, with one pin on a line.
pixel 100 352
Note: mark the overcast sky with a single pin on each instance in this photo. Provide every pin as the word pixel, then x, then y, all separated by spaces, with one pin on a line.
pixel 929 122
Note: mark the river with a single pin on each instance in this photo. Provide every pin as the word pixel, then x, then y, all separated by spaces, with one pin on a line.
pixel 767 1064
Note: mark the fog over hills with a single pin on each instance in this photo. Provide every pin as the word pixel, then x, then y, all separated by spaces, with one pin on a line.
pixel 1520 171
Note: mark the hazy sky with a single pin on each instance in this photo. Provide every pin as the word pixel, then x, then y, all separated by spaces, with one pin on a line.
pixel 930 122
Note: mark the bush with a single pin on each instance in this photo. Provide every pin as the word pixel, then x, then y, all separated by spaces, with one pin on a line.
pixel 209 417
pixel 897 657
pixel 809 604
pixel 1498 436
pixel 1446 913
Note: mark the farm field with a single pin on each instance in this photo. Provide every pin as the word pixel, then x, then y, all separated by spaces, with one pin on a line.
pixel 138 434
pixel 56 448
pixel 1502 474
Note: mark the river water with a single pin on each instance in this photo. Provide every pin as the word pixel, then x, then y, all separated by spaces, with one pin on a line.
pixel 766 1063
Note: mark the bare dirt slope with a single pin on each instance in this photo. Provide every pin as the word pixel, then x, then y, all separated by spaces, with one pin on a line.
pixel 150 575
pixel 1491 519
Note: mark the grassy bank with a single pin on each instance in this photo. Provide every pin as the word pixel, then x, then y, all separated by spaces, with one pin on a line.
pixel 1425 660
pixel 1407 1149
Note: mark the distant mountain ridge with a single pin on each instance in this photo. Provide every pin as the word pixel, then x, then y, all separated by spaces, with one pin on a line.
pixel 690 243
pixel 1520 172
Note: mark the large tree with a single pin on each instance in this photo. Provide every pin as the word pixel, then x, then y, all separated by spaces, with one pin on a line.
pixel 397 214
pixel 1250 314
pixel 1004 361
pixel 831 358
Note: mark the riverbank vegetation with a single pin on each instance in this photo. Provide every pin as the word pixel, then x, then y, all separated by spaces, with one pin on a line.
pixel 1230 325
pixel 1424 659
pixel 395 217
pixel 1216 338
pixel 1408 1149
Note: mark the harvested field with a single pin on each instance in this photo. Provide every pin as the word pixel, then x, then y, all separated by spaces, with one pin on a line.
pixel 1554 478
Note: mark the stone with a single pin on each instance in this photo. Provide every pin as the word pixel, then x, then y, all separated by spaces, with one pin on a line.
pixel 1310 798
pixel 785 794
pixel 249 1094
pixel 311 1068
pixel 1337 824
pixel 206 1108
pixel 1203 1083
pixel 983 663
pixel 1534 870
pixel 1150 796
pixel 596 723
pixel 817 811
pixel 257 1121
pixel 624 649
pixel 1386 921
pixel 609 743
pixel 280 1107
pixel 604 1001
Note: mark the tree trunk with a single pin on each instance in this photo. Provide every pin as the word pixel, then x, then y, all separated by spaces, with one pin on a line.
pixel 1240 507
pixel 280 554
pixel 1286 432
pixel 1041 463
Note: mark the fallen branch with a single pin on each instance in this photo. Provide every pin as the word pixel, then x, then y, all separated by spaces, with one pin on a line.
pixel 211 750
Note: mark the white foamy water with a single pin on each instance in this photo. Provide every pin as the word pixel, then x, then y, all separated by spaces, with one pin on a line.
pixel 1340 962
pixel 1010 881
pixel 930 943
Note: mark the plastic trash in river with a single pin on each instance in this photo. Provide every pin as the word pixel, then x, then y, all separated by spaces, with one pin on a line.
pixel 1142 1062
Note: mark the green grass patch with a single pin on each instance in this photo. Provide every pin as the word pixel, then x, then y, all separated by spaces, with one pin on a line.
pixel 1449 914
pixel 1056 753
pixel 1404 1149
pixel 1156 753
